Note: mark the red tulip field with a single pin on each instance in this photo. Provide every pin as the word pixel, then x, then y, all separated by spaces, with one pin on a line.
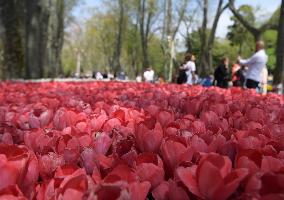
pixel 136 141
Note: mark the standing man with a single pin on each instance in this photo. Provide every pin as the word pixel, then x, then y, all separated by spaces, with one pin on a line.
pixel 255 65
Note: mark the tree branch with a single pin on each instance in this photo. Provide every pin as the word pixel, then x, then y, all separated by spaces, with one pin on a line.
pixel 181 16
pixel 245 23
pixel 219 11
pixel 148 24
pixel 267 26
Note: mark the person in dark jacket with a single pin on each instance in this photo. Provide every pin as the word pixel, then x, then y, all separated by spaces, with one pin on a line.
pixel 182 77
pixel 222 75
pixel 240 77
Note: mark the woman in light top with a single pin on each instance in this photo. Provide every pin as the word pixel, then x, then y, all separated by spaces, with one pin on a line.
pixel 190 68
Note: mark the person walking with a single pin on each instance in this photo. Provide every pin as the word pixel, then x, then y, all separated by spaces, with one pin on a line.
pixel 255 65
pixel 222 75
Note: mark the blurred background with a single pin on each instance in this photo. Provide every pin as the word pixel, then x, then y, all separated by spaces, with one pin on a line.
pixel 77 38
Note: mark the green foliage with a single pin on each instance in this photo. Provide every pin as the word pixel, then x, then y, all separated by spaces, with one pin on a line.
pixel 193 44
pixel 156 55
pixel 68 61
pixel 270 39
pixel 223 48
pixel 274 19
pixel 98 41
pixel 132 52
pixel 95 42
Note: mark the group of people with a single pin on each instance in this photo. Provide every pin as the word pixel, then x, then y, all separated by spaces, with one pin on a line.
pixel 248 73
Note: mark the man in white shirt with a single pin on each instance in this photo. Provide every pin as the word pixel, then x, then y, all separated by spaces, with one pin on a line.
pixel 149 75
pixel 255 65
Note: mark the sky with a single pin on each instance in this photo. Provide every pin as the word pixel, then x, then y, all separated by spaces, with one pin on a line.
pixel 267 7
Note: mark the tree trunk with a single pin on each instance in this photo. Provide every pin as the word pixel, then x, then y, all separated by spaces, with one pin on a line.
pixel 279 70
pixel 142 35
pixel 12 40
pixel 169 18
pixel 204 64
pixel 33 37
pixel 210 61
pixel 168 59
pixel 134 51
pixel 117 52
pixel 169 33
pixel 165 3
pixel 36 32
pixel 145 55
pixel 257 36
pixel 209 43
pixel 145 23
pixel 55 39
